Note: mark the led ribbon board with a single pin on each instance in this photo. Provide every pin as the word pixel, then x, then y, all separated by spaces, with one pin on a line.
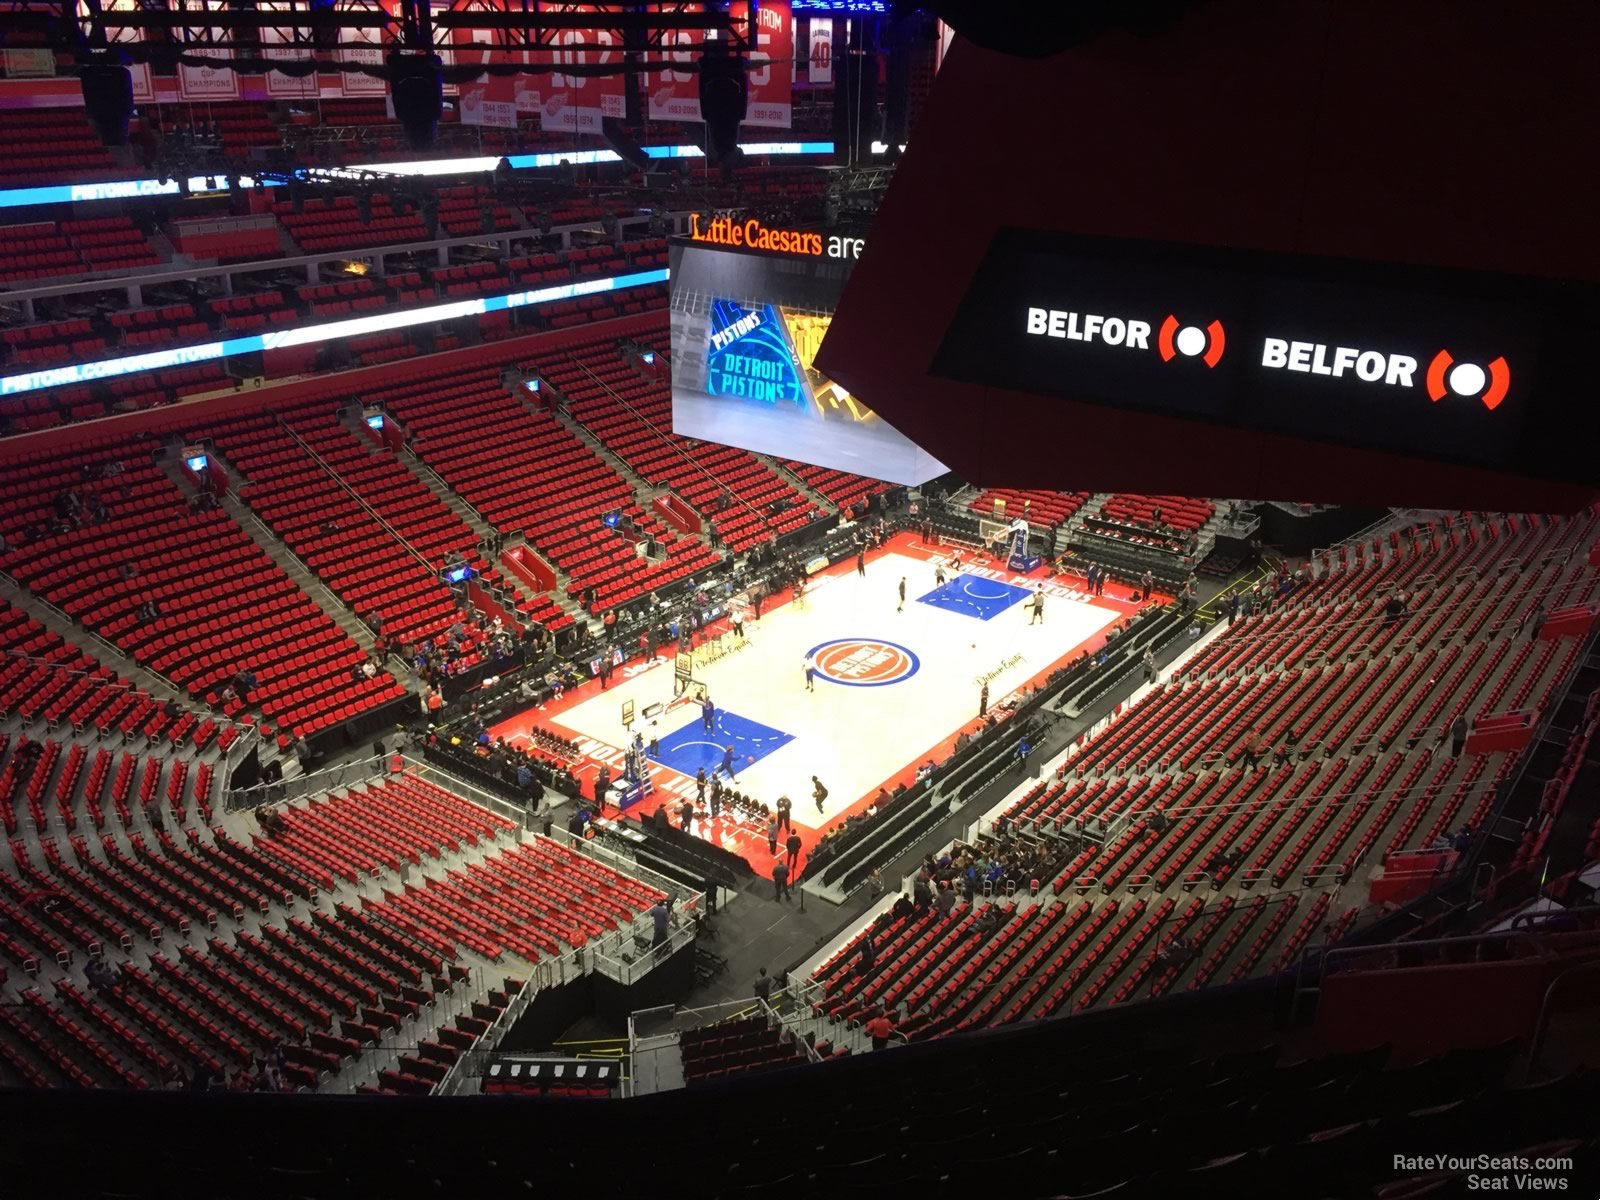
pixel 1451 366
pixel 133 189
pixel 32 381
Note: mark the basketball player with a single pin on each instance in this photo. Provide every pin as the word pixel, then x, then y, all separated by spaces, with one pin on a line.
pixel 1038 605
pixel 811 674
pixel 727 761
pixel 938 575
pixel 818 793
pixel 902 605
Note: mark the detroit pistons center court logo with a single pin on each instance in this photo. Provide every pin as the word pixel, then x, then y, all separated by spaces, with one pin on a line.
pixel 864 662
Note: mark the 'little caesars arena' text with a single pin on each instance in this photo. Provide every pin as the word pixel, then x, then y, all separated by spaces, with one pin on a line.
pixel 753 235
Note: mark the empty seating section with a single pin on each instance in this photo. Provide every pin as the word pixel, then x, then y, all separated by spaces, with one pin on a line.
pixel 631 413
pixel 539 900
pixel 364 524
pixel 241 127
pixel 49 250
pixel 1177 512
pixel 249 312
pixel 326 983
pixel 49 146
pixel 345 298
pixel 42 678
pixel 471 279
pixel 734 1048
pixel 534 476
pixel 109 243
pixel 46 249
pixel 1208 825
pixel 224 607
pixel 334 224
pixel 842 488
pixel 1038 506
pixel 31 346
pixel 37 251
pixel 461 212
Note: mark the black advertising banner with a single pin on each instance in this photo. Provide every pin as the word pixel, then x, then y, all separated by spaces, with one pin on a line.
pixel 1471 369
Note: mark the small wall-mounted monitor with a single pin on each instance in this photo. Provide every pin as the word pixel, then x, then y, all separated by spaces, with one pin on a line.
pixel 375 421
pixel 532 385
pixel 458 574
pixel 197 463
pixel 612 519
pixel 649 357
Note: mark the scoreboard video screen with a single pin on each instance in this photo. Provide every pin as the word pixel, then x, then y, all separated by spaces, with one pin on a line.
pixel 1472 369
pixel 750 307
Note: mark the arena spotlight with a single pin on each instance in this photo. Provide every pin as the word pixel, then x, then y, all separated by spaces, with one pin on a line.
pixel 416 85
pixel 724 100
pixel 107 95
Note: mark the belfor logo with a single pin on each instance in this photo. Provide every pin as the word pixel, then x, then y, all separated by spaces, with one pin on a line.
pixel 1191 341
pixel 1446 376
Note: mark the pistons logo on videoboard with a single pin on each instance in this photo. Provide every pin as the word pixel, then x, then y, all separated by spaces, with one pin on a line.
pixel 1447 377
pixel 1191 341
pixel 864 662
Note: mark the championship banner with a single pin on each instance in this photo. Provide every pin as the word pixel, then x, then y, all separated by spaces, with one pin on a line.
pixel 208 83
pixel 144 89
pixel 579 103
pixel 279 85
pixel 357 83
pixel 821 55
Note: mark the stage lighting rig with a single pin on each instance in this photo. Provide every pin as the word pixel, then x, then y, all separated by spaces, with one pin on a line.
pixel 416 85
pixel 107 94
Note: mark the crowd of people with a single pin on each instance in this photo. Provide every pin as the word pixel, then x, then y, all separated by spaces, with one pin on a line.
pixel 994 864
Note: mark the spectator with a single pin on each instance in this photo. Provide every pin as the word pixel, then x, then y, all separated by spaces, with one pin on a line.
pixel 658 918
pixel 763 985
pixel 869 953
pixel 780 881
pixel 946 899
pixel 1252 748
pixel 879 1029
pixel 1459 729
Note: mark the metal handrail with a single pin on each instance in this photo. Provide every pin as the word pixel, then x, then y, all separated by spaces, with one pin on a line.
pixel 665 441
pixel 328 470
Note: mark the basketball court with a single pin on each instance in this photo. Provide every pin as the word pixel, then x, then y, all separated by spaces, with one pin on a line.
pixel 893 687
